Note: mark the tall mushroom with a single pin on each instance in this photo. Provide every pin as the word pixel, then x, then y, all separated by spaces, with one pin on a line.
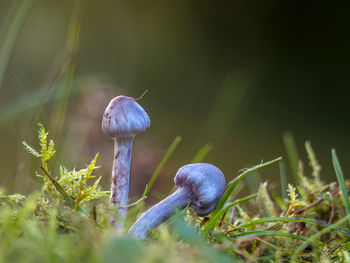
pixel 201 184
pixel 122 120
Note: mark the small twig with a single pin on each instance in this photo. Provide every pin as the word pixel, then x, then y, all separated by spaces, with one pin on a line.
pixel 141 95
pixel 289 211
pixel 133 204
pixel 222 219
pixel 309 206
pixel 133 100
pixel 235 229
pixel 269 244
pixel 229 224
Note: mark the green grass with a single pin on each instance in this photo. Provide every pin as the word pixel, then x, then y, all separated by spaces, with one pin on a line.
pixel 51 226
pixel 292 154
pixel 340 177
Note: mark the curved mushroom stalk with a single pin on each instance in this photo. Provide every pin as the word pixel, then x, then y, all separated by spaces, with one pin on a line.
pixel 201 184
pixel 122 120
pixel 160 212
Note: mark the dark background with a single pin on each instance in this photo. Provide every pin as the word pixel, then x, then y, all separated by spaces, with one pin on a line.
pixel 237 74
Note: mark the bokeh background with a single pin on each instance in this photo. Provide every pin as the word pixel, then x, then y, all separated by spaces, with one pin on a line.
pixel 235 74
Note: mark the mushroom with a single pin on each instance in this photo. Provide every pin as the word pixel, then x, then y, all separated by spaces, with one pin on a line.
pixel 122 120
pixel 201 184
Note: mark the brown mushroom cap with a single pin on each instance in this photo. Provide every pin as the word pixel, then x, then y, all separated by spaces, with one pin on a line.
pixel 124 117
pixel 207 183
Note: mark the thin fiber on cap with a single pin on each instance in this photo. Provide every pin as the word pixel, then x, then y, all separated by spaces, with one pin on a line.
pixel 123 117
pixel 206 181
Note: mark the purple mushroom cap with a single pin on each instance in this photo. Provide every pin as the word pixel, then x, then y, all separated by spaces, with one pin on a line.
pixel 206 181
pixel 124 117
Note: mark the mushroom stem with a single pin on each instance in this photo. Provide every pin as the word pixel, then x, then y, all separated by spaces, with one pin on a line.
pixel 120 174
pixel 160 212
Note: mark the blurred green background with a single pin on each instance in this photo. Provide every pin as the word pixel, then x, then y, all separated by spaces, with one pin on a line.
pixel 237 74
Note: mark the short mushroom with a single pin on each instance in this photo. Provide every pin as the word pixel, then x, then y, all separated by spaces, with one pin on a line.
pixel 122 120
pixel 201 184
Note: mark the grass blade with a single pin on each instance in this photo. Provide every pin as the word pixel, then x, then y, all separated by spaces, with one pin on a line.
pixel 68 68
pixel 340 177
pixel 25 104
pixel 11 31
pixel 59 188
pixel 166 157
pixel 275 233
pixel 202 153
pixel 292 154
pixel 214 218
pixel 297 220
pixel 64 194
pixel 283 177
pixel 227 104
pixel 235 182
